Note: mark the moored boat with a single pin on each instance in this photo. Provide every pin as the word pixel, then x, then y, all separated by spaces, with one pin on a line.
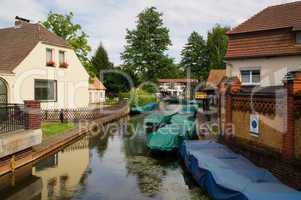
pixel 145 108
pixel 227 175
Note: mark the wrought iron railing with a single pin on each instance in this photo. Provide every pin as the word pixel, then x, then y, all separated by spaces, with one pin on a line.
pixel 11 117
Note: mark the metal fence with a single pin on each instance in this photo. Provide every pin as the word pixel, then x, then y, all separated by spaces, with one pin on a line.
pixel 11 117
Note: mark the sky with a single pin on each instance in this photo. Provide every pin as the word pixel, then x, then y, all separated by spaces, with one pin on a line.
pixel 106 21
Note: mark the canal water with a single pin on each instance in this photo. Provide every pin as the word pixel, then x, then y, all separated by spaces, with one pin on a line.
pixel 112 165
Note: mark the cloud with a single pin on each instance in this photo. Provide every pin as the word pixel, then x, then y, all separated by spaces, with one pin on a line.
pixel 30 9
pixel 107 21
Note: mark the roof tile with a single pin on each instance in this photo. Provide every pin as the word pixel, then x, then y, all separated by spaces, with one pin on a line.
pixel 273 17
pixel 17 42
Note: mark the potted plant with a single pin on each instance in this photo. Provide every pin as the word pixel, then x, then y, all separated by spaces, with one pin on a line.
pixel 64 65
pixel 50 63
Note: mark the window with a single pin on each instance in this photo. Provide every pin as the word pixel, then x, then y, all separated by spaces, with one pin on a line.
pixel 250 77
pixel 45 90
pixel 298 38
pixel 62 57
pixel 49 57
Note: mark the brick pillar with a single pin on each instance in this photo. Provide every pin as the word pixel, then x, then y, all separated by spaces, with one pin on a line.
pixel 292 83
pixel 32 114
pixel 228 115
pixel 233 87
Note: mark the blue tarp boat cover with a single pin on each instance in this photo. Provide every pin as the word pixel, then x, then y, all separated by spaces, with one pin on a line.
pixel 229 176
pixel 171 136
pixel 145 108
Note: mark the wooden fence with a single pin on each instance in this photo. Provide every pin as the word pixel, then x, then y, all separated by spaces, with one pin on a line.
pixel 80 113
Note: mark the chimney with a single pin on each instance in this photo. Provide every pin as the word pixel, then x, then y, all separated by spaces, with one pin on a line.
pixel 19 21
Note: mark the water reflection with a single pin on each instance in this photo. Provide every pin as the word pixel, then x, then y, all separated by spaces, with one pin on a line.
pixel 27 186
pixel 115 166
pixel 62 172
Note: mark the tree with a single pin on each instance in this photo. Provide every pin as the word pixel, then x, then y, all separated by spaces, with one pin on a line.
pixel 63 26
pixel 144 55
pixel 195 56
pixel 100 60
pixel 217 44
pixel 115 82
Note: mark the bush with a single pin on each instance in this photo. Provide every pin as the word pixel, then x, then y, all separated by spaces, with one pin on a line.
pixel 138 97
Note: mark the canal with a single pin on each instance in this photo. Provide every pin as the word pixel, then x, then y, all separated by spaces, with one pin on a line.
pixel 112 165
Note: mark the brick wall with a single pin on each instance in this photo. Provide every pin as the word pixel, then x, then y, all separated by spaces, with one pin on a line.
pixel 287 170
pixel 32 114
pixel 269 133
pixel 278 145
pixel 298 137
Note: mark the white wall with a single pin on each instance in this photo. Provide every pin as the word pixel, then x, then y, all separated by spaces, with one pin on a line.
pixel 273 70
pixel 97 96
pixel 72 83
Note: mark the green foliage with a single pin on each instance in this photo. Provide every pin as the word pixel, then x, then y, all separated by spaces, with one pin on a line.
pixel 54 128
pixel 217 44
pixel 201 56
pixel 144 55
pixel 138 97
pixel 63 26
pixel 115 82
pixel 100 60
pixel 195 56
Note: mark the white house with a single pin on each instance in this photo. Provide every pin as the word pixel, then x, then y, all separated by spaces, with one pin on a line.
pixel 263 49
pixel 36 64
pixel 97 91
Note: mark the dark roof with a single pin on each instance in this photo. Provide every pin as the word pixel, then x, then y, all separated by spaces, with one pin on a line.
pixel 274 17
pixel 17 42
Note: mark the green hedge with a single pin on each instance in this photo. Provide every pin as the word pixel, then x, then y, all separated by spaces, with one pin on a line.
pixel 138 97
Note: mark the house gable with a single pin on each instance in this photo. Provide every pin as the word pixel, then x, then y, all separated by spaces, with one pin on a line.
pixel 72 82
pixel 18 41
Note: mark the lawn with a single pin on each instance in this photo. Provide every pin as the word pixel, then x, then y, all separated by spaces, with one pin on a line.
pixel 54 128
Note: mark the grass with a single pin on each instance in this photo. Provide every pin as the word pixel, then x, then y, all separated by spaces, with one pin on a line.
pixel 54 128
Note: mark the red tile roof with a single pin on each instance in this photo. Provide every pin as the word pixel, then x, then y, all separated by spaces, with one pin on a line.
pixel 268 33
pixel 17 42
pixel 96 84
pixel 274 17
pixel 279 42
pixel 215 77
pixel 178 80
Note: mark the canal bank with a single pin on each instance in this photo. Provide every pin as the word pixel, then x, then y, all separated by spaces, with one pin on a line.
pixel 96 166
pixel 57 142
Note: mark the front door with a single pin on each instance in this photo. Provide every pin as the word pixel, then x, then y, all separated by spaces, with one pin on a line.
pixel 3 91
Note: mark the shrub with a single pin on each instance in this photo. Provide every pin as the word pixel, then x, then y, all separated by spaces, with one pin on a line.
pixel 138 97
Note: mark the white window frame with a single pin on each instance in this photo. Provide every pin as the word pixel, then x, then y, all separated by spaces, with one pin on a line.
pixel 251 82
pixel 47 99
pixel 64 56
pixel 52 55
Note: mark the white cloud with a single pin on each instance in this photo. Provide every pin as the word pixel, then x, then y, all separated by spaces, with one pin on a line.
pixel 30 9
pixel 106 21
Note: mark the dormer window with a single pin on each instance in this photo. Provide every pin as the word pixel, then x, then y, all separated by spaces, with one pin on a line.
pixel 298 38
pixel 49 57
pixel 62 59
